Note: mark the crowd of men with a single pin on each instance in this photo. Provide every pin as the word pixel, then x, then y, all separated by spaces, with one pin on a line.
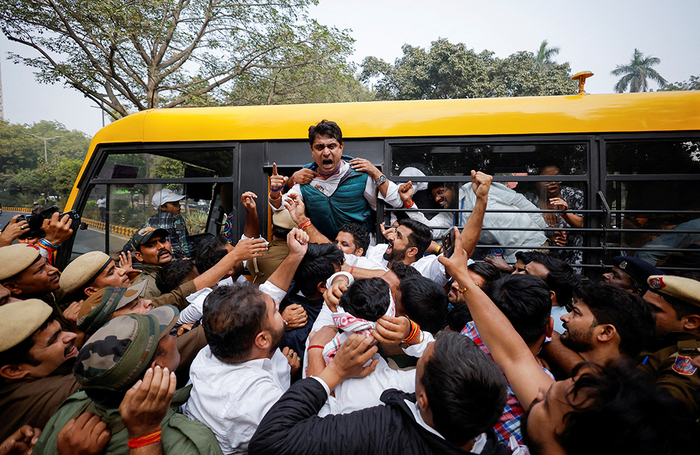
pixel 342 343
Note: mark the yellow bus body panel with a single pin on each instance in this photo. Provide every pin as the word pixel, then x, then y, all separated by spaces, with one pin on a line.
pixel 637 112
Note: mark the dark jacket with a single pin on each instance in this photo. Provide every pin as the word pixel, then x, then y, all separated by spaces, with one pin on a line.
pixel 296 339
pixel 292 427
pixel 347 204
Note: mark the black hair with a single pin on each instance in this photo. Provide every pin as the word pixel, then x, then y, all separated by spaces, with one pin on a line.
pixel 359 234
pixel 280 232
pixel 317 266
pixel 628 312
pixel 425 302
pixel 19 353
pixel 210 250
pixel 457 317
pixel 173 274
pixel 466 391
pixel 325 128
pixel 622 411
pixel 562 279
pixel 529 256
pixel 232 318
pixel 402 270
pixel 367 299
pixel 488 272
pixel 525 301
pixel 420 236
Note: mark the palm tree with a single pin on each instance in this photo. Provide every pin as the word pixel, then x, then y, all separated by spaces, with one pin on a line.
pixel 544 56
pixel 635 74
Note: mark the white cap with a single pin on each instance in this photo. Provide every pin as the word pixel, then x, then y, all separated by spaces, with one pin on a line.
pixel 411 171
pixel 164 196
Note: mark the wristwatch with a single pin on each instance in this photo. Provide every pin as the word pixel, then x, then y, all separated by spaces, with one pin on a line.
pixel 380 181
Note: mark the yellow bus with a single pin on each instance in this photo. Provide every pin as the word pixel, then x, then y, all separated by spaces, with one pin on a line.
pixel 632 159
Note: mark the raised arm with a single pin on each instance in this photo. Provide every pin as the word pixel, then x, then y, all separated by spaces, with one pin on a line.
pixel 297 241
pixel 244 250
pixel 470 234
pixel 252 223
pixel 297 212
pixel 507 347
pixel 276 186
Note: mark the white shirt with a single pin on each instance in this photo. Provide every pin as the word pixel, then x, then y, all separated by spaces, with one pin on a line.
pixel 428 266
pixel 360 393
pixel 329 185
pixel 500 198
pixel 232 399
pixel 556 314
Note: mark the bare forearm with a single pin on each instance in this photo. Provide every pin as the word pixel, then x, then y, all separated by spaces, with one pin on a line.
pixel 560 356
pixel 316 364
pixel 472 231
pixel 214 274
pixel 283 275
pixel 574 220
pixel 360 273
pixel 252 224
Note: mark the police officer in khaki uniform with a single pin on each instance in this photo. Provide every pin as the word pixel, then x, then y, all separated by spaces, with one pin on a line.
pixel 675 302
pixel 36 355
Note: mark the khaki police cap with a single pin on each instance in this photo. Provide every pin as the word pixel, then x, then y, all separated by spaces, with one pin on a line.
pixel 17 258
pixel 20 320
pixel 283 219
pixel 685 289
pixel 83 270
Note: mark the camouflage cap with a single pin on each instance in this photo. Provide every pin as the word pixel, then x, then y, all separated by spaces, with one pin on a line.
pixel 636 268
pixel 118 354
pixel 17 258
pixel 143 235
pixel 677 287
pixel 100 306
pixel 20 320
pixel 83 270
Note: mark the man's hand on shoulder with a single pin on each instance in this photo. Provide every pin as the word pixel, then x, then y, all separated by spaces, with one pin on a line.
pixel 363 165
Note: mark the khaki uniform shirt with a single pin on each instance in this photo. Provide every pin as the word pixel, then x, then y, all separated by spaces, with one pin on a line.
pixel 149 274
pixel 32 402
pixel 671 369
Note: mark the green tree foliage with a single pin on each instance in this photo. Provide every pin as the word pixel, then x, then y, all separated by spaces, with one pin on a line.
pixel 130 55
pixel 544 56
pixel 691 84
pixel 24 175
pixel 637 73
pixel 451 71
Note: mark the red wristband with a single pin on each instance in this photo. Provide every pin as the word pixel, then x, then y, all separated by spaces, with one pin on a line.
pixel 304 224
pixel 408 206
pixel 317 346
pixel 144 440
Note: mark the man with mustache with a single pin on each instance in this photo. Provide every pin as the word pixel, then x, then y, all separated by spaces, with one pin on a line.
pixel 336 189
pixel 152 248
pixel 36 355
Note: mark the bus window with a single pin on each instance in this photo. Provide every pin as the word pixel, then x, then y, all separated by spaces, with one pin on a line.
pixel 494 159
pixel 653 188
pixel 530 176
pixel 125 204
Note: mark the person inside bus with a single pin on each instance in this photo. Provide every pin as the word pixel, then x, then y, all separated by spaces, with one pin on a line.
pixel 500 197
pixel 167 203
pixel 555 196
pixel 336 188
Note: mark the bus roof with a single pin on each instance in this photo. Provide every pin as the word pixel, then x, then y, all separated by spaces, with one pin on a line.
pixel 633 112
pixel 660 111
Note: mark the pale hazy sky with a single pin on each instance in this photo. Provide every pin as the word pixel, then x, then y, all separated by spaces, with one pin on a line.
pixel 593 35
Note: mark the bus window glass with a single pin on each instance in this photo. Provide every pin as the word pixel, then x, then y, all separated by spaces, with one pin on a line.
pixel 494 159
pixel 170 164
pixel 653 223
pixel 94 215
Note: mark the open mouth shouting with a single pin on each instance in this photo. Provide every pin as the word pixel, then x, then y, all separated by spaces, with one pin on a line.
pixel 71 350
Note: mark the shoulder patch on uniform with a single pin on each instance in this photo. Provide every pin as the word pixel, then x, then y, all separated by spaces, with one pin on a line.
pixel 683 366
